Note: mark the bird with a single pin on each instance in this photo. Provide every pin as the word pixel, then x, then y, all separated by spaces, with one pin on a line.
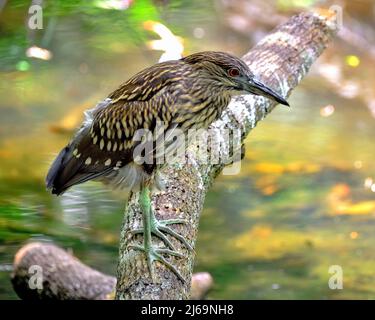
pixel 185 94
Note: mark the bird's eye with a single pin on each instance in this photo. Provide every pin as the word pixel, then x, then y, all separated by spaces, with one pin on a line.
pixel 233 72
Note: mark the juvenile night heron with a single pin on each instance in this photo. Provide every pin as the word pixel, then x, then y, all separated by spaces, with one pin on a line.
pixel 189 93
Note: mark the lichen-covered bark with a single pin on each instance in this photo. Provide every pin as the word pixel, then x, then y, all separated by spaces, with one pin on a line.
pixel 280 60
pixel 64 277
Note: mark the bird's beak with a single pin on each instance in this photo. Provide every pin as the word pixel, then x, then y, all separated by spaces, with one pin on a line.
pixel 256 87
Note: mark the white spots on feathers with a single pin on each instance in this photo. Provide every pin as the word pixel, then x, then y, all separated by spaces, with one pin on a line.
pixel 109 133
pixel 75 153
pixel 118 165
pixel 89 114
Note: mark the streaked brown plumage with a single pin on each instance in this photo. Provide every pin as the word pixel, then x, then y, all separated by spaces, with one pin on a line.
pixel 189 93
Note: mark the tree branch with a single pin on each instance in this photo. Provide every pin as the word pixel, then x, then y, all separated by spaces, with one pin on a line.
pixel 280 60
pixel 64 277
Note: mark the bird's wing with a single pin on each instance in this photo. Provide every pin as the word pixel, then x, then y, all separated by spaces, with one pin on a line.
pixel 107 139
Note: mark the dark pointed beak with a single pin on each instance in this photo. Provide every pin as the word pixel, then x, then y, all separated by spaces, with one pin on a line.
pixel 256 87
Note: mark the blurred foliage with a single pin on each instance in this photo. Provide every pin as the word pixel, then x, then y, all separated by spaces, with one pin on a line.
pixel 105 30
pixel 102 28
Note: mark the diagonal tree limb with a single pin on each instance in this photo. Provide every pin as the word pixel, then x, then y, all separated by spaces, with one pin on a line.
pixel 280 60
pixel 63 277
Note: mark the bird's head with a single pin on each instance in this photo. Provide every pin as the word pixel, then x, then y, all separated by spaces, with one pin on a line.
pixel 232 73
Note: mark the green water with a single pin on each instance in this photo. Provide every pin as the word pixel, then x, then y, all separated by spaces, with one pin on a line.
pixel 298 206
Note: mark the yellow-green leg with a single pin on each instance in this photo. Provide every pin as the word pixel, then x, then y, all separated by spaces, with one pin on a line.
pixel 152 226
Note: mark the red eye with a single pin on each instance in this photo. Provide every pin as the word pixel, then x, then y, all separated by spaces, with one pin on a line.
pixel 233 72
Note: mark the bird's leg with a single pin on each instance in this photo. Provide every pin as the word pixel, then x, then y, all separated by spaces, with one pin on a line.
pixel 152 226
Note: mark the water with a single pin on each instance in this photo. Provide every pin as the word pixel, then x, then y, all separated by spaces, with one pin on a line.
pixel 302 202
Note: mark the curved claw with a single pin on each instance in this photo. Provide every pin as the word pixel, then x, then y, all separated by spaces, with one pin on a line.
pixel 173 221
pixel 156 232
pixel 170 252
pixel 155 254
pixel 162 236
pixel 158 226
pixel 170 266
pixel 173 233
pixel 136 231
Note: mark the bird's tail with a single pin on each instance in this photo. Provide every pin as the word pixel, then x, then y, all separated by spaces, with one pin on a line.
pixel 68 170
pixel 53 179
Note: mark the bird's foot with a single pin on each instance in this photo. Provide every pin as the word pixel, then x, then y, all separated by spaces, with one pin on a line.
pixel 160 228
pixel 154 253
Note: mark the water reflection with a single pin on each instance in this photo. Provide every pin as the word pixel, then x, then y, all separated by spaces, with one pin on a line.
pixel 75 211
